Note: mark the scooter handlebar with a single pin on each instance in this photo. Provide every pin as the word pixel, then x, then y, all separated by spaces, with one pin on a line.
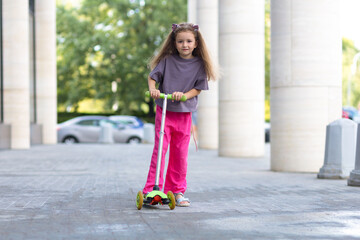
pixel 169 96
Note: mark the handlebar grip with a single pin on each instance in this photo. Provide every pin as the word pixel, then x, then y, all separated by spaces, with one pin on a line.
pixel 169 96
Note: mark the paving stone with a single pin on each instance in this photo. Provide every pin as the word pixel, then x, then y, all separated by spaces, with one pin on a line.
pixel 88 191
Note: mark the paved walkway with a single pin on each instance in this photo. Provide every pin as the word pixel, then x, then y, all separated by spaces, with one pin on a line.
pixel 89 191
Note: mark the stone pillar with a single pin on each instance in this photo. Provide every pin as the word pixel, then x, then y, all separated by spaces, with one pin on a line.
pixel 354 179
pixel 241 87
pixel 305 81
pixel 16 71
pixel 208 124
pixel 106 134
pixel 5 136
pixel 191 18
pixel 339 149
pixel 45 27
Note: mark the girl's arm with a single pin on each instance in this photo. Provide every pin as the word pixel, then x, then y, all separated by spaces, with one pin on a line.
pixel 190 94
pixel 154 93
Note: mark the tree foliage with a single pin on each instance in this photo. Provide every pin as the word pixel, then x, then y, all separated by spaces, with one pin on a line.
pixel 267 59
pixel 109 42
pixel 349 51
pixel 106 43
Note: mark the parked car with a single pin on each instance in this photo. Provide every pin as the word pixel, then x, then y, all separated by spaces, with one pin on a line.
pixel 351 112
pixel 128 121
pixel 87 129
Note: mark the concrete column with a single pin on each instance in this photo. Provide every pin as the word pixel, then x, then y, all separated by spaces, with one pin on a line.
pixel 5 137
pixel 305 81
pixel 16 71
pixel 191 18
pixel 208 123
pixel 45 27
pixel 241 88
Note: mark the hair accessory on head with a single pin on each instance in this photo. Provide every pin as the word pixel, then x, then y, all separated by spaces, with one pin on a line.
pixel 195 27
pixel 174 26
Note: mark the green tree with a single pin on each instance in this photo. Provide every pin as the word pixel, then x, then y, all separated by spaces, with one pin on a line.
pixel 349 51
pixel 73 41
pixel 267 59
pixel 110 42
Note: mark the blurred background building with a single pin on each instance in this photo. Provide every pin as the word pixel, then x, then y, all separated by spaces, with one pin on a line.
pixel 28 73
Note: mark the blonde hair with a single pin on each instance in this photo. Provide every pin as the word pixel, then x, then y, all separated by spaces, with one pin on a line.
pixel 201 51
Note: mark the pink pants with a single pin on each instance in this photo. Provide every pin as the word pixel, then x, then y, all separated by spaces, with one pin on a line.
pixel 177 134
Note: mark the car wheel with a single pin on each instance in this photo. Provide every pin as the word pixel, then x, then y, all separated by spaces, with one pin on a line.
pixel 134 140
pixel 70 140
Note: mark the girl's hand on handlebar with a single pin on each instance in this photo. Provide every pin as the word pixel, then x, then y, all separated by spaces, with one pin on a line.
pixel 177 96
pixel 154 93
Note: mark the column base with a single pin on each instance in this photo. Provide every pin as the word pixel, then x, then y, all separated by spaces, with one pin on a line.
pixel 354 179
pixel 5 136
pixel 333 172
pixel 35 134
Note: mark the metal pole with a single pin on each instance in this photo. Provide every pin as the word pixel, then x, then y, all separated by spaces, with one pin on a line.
pixel 161 137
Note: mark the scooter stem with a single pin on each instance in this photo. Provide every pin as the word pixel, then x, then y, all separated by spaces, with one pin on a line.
pixel 161 137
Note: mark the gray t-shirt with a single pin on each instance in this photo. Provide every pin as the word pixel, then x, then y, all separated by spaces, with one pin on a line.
pixel 176 74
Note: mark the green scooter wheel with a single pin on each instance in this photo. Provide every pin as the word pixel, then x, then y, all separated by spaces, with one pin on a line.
pixel 171 198
pixel 139 200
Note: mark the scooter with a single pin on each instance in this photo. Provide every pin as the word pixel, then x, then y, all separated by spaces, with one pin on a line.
pixel 157 197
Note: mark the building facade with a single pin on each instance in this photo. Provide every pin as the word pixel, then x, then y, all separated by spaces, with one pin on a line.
pixel 28 73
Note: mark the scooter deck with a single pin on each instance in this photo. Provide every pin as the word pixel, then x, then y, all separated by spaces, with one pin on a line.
pixel 156 197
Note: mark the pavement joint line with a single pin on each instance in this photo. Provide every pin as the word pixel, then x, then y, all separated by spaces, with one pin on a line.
pixel 88 191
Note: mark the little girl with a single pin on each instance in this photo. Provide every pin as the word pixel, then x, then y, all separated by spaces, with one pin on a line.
pixel 182 67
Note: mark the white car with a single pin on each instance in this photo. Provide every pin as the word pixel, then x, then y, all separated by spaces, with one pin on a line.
pixel 87 129
pixel 130 122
